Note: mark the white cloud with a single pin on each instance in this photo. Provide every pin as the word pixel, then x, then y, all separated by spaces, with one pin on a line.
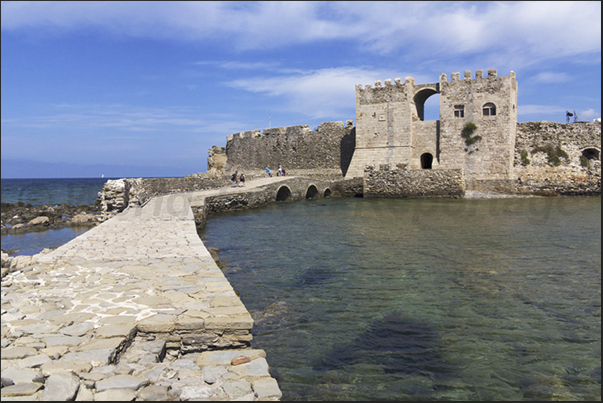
pixel 238 65
pixel 320 93
pixel 523 31
pixel 119 117
pixel 557 111
pixel 549 77
pixel 589 114
pixel 545 110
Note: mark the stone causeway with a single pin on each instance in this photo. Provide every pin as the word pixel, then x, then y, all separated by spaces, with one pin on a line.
pixel 133 309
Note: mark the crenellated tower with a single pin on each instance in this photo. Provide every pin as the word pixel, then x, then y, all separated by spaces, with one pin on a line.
pixel 391 130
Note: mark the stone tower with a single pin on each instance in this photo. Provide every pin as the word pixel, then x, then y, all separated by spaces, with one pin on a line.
pixel 391 130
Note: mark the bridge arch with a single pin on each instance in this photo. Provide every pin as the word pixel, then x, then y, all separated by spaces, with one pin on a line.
pixel 283 193
pixel 311 192
pixel 327 192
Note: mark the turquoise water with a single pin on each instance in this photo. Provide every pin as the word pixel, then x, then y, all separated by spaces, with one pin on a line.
pixel 364 299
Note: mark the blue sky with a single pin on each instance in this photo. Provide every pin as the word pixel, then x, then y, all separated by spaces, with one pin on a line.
pixel 144 89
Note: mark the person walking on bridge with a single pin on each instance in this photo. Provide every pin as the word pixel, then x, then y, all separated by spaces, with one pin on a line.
pixel 235 179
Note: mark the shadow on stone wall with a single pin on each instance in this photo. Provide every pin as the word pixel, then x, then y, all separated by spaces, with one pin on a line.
pixel 347 146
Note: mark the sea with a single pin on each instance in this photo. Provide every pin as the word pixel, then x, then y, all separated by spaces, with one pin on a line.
pixel 47 191
pixel 414 299
pixel 422 299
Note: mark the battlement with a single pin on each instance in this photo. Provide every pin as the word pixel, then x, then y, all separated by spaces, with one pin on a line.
pixel 285 130
pixel 297 130
pixel 363 90
pixel 479 75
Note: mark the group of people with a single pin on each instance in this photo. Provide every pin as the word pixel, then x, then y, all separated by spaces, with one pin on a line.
pixel 280 172
pixel 239 179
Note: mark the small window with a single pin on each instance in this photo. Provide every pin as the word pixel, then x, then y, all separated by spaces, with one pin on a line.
pixel 459 111
pixel 489 109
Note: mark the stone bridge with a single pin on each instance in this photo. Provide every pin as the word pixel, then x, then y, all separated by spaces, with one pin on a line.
pixel 136 308
pixel 259 192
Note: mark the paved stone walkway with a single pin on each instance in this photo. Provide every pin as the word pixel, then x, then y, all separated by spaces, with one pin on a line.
pixel 135 308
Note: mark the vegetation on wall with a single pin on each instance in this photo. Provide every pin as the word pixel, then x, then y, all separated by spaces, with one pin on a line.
pixel 524 158
pixel 553 153
pixel 467 134
pixel 583 161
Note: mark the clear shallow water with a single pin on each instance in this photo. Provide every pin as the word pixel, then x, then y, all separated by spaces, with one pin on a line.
pixel 358 299
pixel 32 243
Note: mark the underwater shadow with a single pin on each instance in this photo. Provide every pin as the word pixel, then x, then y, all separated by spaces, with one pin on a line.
pixel 398 344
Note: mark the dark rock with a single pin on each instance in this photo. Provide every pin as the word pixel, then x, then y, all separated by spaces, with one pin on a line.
pixel 18 218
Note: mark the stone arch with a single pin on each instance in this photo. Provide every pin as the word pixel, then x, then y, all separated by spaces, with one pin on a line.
pixel 591 153
pixel 426 161
pixel 420 98
pixel 311 192
pixel 327 192
pixel 283 193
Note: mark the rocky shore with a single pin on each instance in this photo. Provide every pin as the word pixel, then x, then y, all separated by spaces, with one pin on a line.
pixel 19 218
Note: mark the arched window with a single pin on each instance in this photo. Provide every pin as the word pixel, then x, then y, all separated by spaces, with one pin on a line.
pixel 426 161
pixel 489 109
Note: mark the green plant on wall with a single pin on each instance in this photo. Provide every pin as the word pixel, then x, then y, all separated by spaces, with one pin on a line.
pixel 467 134
pixel 583 161
pixel 524 158
pixel 553 153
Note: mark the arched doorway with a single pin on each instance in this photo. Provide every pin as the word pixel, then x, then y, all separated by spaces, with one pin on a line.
pixel 426 161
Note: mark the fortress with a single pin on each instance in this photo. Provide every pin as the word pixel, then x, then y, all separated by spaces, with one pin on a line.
pixel 476 145
pixel 391 130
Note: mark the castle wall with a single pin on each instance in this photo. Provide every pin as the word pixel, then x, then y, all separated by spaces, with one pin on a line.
pixel 491 157
pixel 550 158
pixel 412 183
pixel 325 151
pixel 390 133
